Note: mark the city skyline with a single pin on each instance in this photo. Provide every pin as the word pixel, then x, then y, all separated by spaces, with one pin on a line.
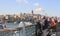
pixel 51 7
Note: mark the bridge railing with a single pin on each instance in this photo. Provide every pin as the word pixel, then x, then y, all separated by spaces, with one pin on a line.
pixel 19 31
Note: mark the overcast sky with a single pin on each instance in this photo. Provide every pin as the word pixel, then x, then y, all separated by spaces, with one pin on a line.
pixel 51 7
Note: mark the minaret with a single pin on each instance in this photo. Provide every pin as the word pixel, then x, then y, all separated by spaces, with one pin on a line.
pixel 32 12
pixel 32 16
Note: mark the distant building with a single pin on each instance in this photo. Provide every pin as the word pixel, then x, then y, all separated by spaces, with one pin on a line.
pixel 1 18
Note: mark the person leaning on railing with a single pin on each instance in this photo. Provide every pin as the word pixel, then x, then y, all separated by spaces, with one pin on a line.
pixel 45 22
pixel 38 29
pixel 2 26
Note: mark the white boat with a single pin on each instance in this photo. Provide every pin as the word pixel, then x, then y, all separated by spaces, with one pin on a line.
pixel 15 22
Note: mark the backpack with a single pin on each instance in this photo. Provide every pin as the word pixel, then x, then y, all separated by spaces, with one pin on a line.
pixel 54 25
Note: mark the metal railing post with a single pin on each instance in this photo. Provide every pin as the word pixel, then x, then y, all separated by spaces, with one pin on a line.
pixel 23 26
pixel 24 32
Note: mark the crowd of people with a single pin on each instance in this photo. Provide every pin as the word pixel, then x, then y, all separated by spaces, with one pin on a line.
pixel 46 24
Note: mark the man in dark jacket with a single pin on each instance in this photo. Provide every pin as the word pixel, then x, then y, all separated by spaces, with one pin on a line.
pixel 38 29
pixel 46 23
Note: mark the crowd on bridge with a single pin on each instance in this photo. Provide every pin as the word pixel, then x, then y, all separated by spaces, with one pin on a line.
pixel 46 24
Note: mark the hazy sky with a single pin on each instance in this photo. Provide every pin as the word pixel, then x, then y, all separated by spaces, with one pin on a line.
pixel 51 7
